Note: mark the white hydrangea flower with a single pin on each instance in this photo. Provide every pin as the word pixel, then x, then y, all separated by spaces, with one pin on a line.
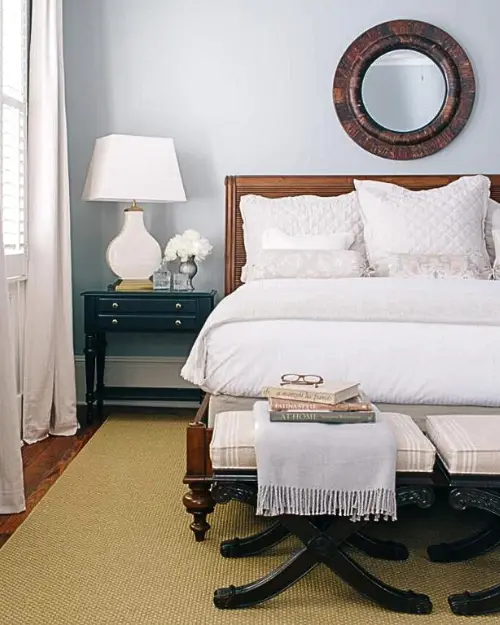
pixel 188 244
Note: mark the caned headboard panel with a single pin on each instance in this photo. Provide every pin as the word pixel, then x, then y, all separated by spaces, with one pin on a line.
pixel 282 186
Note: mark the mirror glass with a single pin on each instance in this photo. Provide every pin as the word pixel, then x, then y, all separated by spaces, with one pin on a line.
pixel 403 90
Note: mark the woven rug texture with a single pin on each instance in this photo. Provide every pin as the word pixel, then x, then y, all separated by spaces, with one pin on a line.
pixel 110 544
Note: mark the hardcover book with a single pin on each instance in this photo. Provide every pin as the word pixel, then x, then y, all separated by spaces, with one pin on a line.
pixel 325 416
pixel 328 393
pixel 356 404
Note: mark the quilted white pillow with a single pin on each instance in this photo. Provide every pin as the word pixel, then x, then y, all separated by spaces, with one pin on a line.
pixel 297 216
pixel 492 223
pixel 274 239
pixel 446 220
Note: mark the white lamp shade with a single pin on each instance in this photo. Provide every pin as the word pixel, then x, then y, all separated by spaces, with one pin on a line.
pixel 128 167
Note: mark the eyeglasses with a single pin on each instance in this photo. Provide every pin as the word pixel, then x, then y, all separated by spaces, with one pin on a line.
pixel 297 378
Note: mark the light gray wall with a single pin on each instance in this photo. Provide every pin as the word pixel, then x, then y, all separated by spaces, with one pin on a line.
pixel 244 87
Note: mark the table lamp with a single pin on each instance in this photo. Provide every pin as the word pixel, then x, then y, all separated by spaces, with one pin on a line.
pixel 131 169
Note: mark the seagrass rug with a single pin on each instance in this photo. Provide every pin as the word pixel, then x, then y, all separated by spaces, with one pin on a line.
pixel 110 544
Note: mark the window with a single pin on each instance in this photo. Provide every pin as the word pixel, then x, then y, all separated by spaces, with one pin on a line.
pixel 13 102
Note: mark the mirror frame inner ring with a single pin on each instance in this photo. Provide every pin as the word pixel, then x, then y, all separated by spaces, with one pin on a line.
pixel 434 43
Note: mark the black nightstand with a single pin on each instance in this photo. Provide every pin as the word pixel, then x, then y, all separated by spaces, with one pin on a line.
pixel 149 311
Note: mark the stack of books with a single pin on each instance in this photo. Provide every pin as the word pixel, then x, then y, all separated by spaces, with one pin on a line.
pixel 331 402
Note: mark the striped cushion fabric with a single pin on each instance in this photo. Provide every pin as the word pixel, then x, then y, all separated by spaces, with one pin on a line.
pixel 467 444
pixel 233 442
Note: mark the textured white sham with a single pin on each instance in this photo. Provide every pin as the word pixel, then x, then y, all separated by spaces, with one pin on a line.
pixel 298 216
pixel 435 266
pixel 275 239
pixel 442 221
pixel 311 264
pixel 492 223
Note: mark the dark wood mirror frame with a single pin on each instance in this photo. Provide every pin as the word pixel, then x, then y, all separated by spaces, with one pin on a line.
pixel 441 48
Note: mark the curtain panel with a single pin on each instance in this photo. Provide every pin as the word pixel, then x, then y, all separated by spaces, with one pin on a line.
pixel 49 374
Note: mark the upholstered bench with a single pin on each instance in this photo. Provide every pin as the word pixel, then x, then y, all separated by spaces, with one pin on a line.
pixel 468 450
pixel 233 442
pixel 235 478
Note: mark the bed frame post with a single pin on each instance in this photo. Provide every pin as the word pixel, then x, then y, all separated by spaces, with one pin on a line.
pixel 230 279
pixel 198 500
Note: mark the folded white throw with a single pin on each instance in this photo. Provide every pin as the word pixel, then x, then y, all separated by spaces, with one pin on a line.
pixel 462 302
pixel 316 468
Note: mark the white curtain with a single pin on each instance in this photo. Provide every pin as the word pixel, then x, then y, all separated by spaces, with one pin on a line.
pixel 11 466
pixel 49 375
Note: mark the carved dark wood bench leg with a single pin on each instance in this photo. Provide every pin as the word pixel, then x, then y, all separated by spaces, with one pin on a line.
pixel 484 601
pixel 327 548
pixel 267 587
pixel 476 603
pixel 381 549
pixel 470 547
pixel 253 545
pixel 198 502
pixel 321 545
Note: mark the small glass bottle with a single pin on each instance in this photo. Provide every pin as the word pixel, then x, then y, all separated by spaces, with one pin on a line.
pixel 162 277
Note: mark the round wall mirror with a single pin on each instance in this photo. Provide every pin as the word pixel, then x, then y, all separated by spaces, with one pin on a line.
pixel 403 90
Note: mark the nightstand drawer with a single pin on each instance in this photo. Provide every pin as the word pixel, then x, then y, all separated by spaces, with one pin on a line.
pixel 147 323
pixel 154 304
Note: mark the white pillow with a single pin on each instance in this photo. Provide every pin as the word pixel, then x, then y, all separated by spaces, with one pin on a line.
pixel 298 216
pixel 274 239
pixel 492 223
pixel 434 266
pixel 446 220
pixel 279 264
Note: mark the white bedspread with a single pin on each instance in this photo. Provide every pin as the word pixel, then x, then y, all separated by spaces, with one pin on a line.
pixel 407 341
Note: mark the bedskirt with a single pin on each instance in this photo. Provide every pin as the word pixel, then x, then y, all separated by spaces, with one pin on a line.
pixel 223 403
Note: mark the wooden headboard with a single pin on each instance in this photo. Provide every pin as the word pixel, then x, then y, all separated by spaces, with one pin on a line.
pixel 282 186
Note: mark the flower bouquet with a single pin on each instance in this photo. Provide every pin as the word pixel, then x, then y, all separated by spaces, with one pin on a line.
pixel 188 247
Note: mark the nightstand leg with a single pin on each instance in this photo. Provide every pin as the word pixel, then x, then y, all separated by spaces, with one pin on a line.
pixel 90 352
pixel 100 362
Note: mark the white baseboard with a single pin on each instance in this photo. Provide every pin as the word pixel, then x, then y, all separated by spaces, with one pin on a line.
pixel 140 372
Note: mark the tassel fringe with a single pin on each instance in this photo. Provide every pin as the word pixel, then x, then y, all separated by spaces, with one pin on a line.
pixel 357 505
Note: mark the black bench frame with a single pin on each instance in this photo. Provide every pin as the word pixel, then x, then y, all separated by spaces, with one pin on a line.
pixel 483 493
pixel 323 539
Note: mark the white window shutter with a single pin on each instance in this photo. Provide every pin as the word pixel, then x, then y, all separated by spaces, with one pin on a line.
pixel 13 122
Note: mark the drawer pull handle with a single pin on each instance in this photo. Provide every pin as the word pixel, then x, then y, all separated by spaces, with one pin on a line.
pixel 115 304
pixel 178 306
pixel 114 321
pixel 178 322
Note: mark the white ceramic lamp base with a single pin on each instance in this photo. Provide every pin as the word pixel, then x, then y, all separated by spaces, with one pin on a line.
pixel 134 255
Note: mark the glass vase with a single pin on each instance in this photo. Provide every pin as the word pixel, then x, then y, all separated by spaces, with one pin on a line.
pixel 188 269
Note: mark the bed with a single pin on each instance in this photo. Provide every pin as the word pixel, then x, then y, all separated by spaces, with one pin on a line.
pixel 415 368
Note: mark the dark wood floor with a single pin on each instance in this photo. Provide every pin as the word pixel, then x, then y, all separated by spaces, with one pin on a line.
pixel 43 464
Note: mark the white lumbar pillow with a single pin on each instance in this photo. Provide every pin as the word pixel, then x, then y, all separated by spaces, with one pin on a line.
pixel 444 220
pixel 275 239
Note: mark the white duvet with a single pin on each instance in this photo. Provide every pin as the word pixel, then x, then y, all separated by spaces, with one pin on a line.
pixel 407 341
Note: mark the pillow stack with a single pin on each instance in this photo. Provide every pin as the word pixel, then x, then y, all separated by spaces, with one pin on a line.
pixel 434 233
pixel 302 237
pixel 446 232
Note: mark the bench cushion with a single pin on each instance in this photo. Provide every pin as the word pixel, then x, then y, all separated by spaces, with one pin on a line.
pixel 233 441
pixel 467 444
